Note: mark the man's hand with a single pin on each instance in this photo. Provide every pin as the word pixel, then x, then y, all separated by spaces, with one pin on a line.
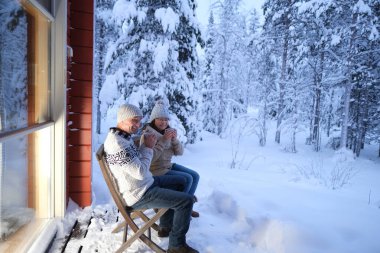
pixel 150 140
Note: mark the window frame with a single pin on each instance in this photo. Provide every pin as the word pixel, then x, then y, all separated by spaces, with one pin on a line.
pixel 49 15
pixel 56 125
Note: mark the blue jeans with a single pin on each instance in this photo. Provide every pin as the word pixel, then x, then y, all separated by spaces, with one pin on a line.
pixel 192 177
pixel 174 182
pixel 164 193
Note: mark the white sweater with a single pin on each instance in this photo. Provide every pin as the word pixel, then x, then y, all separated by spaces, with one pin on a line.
pixel 129 165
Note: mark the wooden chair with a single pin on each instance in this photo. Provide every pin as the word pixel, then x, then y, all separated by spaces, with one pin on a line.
pixel 129 215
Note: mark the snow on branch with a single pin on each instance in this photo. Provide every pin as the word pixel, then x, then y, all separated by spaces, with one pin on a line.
pixel 168 19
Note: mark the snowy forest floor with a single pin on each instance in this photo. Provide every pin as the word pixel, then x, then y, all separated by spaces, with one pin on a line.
pixel 272 201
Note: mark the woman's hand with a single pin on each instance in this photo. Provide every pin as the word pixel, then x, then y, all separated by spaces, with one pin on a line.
pixel 150 140
pixel 167 134
pixel 174 134
pixel 171 134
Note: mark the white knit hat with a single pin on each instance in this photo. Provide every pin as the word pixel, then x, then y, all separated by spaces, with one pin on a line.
pixel 159 111
pixel 128 111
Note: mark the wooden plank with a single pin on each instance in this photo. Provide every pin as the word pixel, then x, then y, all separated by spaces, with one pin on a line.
pixel 77 233
pixel 79 169
pixel 83 55
pixel 80 121
pixel 81 198
pixel 80 89
pixel 80 71
pixel 80 184
pixel 79 153
pixel 82 20
pixel 80 105
pixel 80 137
pixel 81 37
pixel 83 6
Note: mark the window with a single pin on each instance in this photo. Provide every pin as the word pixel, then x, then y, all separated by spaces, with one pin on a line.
pixel 25 116
pixel 47 4
pixel 24 68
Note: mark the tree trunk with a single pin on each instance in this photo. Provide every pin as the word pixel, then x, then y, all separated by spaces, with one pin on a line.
pixel 317 110
pixel 263 130
pixel 294 127
pixel 348 88
pixel 222 107
pixel 317 116
pixel 346 115
pixel 362 119
pixel 282 83
pixel 293 142
pixel 329 116
pixel 309 139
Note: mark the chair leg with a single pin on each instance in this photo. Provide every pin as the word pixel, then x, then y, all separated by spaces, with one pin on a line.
pixel 119 227
pixel 139 233
pixel 146 219
pixel 125 234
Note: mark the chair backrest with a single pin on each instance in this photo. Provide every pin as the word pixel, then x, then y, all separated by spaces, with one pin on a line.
pixel 110 181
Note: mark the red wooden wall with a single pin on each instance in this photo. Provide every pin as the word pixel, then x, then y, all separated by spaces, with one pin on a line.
pixel 79 100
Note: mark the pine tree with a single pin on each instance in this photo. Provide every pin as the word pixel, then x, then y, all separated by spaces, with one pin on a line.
pixel 104 33
pixel 363 76
pixel 209 90
pixel 373 77
pixel 154 57
pixel 264 88
pixel 278 21
pixel 314 30
pixel 261 76
pixel 352 28
pixel 229 73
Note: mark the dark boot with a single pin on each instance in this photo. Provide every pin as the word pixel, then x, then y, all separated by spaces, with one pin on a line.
pixel 164 232
pixel 182 249
pixel 194 214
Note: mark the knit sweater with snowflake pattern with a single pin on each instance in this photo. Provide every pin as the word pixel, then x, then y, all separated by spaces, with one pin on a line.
pixel 129 165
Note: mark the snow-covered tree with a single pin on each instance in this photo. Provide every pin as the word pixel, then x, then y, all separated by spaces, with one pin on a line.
pixel 261 88
pixel 153 56
pixel 229 63
pixel 104 33
pixel 254 61
pixel 352 32
pixel 209 92
pixel 279 24
pixel 365 73
pixel 353 29
pixel 264 89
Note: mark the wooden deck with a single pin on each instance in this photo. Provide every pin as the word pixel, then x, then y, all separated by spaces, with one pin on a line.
pixel 82 228
pixel 78 232
pixel 93 233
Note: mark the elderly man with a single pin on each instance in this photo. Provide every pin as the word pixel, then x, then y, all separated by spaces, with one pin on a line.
pixel 130 168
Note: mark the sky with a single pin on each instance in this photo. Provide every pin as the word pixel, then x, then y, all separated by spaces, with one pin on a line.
pixel 271 202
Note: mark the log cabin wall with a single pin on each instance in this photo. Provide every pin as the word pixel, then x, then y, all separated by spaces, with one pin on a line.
pixel 79 100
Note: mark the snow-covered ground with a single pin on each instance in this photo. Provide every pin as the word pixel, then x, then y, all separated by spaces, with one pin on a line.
pixel 271 202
